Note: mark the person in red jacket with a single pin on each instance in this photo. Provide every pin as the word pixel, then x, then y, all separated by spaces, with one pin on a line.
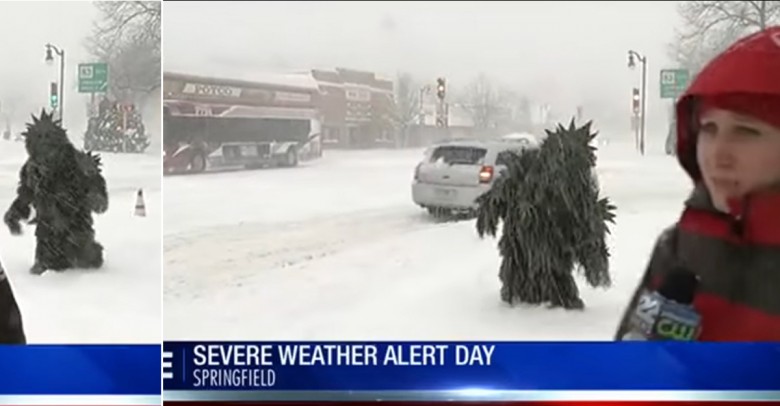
pixel 728 141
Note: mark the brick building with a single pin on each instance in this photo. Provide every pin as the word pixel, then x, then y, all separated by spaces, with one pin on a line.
pixel 357 108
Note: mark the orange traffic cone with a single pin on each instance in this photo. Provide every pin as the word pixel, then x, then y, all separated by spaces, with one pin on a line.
pixel 140 207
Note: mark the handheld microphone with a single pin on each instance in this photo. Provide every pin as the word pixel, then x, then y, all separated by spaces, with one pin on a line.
pixel 668 313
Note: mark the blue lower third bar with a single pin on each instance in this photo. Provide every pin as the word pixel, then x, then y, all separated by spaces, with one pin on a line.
pixel 445 366
pixel 82 400
pixel 469 395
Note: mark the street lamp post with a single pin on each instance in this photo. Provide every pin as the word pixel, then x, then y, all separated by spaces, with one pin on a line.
pixel 49 60
pixel 631 64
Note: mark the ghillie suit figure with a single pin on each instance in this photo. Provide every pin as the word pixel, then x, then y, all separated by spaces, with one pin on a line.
pixel 553 219
pixel 64 186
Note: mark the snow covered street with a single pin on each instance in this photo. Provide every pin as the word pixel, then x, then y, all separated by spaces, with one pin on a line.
pixel 119 303
pixel 335 249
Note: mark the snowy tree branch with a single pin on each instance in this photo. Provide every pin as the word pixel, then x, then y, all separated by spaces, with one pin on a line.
pixel 711 26
pixel 127 37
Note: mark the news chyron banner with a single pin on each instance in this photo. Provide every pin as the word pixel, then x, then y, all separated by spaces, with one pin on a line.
pixel 106 375
pixel 516 373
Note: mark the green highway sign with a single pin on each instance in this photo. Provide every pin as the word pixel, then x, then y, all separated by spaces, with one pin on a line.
pixel 673 82
pixel 93 77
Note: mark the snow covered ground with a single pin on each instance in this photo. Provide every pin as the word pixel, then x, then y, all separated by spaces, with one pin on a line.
pixel 336 250
pixel 119 303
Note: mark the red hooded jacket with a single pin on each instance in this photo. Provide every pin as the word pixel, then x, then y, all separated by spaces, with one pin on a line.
pixel 736 255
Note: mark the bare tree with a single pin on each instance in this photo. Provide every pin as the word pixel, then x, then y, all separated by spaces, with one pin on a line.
pixel 6 112
pixel 518 117
pixel 709 27
pixel 16 105
pixel 127 37
pixel 485 101
pixel 407 107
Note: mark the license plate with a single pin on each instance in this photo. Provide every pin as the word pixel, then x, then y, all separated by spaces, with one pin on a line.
pixel 445 193
pixel 248 150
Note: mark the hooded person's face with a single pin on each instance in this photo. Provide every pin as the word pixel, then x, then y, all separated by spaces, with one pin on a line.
pixel 737 155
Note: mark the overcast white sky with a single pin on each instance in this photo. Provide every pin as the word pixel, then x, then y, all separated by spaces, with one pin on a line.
pixel 25 28
pixel 566 53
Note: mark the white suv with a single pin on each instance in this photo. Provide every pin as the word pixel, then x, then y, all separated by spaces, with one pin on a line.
pixel 454 174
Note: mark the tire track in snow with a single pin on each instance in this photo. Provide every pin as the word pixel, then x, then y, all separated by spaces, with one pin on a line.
pixel 226 256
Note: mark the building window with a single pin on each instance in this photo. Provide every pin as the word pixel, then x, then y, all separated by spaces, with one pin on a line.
pixel 331 134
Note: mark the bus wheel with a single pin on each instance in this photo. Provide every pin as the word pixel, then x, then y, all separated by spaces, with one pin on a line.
pixel 197 163
pixel 291 159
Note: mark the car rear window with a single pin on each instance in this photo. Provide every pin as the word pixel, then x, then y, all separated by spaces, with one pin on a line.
pixel 504 157
pixel 458 155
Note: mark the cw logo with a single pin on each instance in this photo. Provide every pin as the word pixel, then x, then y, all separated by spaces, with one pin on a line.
pixel 167 365
pixel 676 330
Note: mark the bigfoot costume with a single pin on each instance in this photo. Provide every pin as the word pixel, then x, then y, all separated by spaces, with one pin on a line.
pixel 548 200
pixel 65 187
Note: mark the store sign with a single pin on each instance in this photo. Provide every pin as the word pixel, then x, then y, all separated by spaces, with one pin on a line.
pixel 211 90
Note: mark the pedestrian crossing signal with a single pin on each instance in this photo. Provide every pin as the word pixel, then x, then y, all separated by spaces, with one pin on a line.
pixel 54 99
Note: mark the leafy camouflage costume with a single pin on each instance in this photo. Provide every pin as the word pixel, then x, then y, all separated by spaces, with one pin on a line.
pixel 553 219
pixel 64 186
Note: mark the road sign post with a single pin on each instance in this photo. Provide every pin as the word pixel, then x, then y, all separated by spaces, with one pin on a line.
pixel 673 82
pixel 93 77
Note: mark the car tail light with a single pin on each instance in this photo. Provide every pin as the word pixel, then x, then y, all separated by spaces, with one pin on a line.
pixel 417 171
pixel 486 174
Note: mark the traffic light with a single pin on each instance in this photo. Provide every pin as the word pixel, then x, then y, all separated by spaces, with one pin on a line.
pixel 54 99
pixel 441 88
pixel 635 101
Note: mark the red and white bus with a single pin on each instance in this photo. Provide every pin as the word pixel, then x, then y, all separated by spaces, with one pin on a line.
pixel 213 122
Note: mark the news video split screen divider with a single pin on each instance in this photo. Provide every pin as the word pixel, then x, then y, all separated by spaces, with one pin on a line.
pixel 81 194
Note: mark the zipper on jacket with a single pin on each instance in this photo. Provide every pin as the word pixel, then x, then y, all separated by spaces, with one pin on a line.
pixel 738 227
pixel 741 253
